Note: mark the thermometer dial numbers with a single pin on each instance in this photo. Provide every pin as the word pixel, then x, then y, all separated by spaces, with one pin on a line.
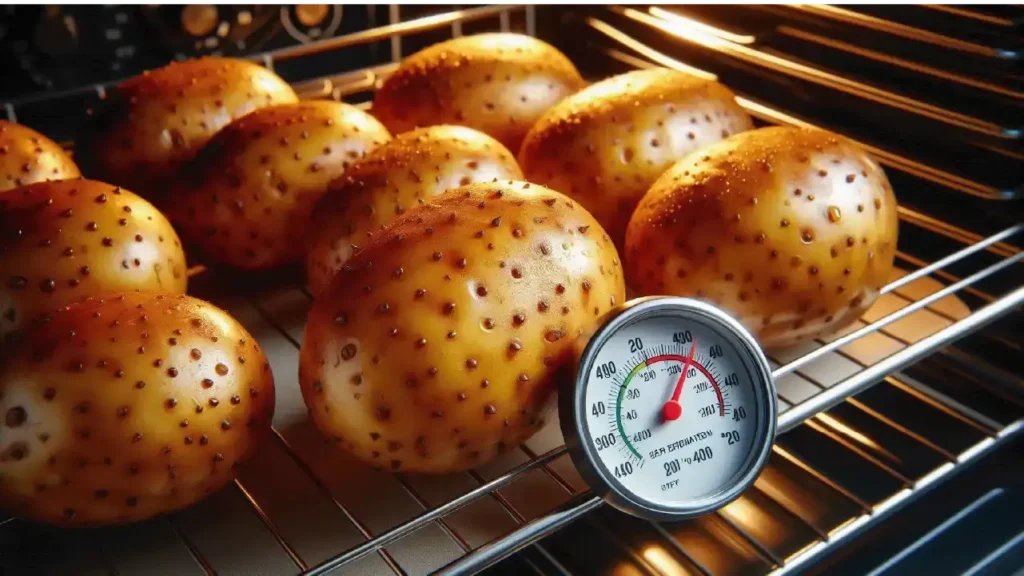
pixel 707 446
pixel 675 411
pixel 658 373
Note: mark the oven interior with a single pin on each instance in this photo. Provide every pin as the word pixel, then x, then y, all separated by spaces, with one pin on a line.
pixel 900 438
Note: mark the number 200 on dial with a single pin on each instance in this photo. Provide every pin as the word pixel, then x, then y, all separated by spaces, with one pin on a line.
pixel 673 411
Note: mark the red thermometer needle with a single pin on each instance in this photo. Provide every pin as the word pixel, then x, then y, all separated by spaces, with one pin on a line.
pixel 672 410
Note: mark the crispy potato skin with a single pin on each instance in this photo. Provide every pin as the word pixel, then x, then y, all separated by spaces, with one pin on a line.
pixel 123 408
pixel 437 346
pixel 26 156
pixel 792 230
pixel 499 84
pixel 158 120
pixel 247 196
pixel 68 240
pixel 401 174
pixel 606 145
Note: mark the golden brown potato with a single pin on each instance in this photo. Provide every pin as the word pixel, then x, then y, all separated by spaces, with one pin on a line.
pixel 437 345
pixel 397 176
pixel 160 119
pixel 791 230
pixel 26 156
pixel 67 240
pixel 246 198
pixel 126 407
pixel 607 144
pixel 499 84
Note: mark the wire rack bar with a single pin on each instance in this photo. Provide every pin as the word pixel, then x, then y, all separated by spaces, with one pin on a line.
pixel 528 534
pixel 693 35
pixel 871 374
pixel 900 500
pixel 900 62
pixel 769 114
pixel 281 541
pixel 905 31
pixel 429 516
pixel 679 549
pixel 974 15
pixel 954 257
pixel 901 313
pixel 955 232
pixel 888 158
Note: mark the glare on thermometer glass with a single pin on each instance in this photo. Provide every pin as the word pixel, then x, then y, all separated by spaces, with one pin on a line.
pixel 672 411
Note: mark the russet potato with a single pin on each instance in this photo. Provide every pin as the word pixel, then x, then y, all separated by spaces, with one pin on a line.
pixel 606 145
pixel 26 156
pixel 499 84
pixel 791 230
pixel 247 197
pixel 68 240
pixel 129 406
pixel 437 345
pixel 155 122
pixel 400 175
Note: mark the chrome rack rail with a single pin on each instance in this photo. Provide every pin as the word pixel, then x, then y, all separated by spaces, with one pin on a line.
pixel 692 31
pixel 872 23
pixel 651 57
pixel 320 511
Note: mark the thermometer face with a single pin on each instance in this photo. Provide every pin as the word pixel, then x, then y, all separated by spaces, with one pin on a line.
pixel 675 408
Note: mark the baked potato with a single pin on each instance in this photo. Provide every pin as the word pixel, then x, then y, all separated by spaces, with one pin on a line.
pixel 499 84
pixel 26 156
pixel 67 240
pixel 126 407
pixel 246 198
pixel 158 120
pixel 401 174
pixel 436 346
pixel 791 230
pixel 606 145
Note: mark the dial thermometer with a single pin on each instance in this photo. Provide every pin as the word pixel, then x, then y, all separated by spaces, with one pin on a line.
pixel 672 409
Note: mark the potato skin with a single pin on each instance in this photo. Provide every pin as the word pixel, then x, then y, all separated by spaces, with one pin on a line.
pixel 499 84
pixel 436 346
pixel 26 156
pixel 792 230
pixel 399 175
pixel 606 145
pixel 158 120
pixel 123 408
pixel 246 198
pixel 68 240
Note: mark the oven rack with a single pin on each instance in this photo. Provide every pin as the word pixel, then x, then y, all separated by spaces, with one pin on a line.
pixel 688 30
pixel 918 314
pixel 976 134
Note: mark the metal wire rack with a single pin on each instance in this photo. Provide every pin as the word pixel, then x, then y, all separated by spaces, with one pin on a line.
pixel 299 506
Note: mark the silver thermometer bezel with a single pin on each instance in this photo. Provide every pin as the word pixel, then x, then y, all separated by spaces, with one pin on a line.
pixel 573 414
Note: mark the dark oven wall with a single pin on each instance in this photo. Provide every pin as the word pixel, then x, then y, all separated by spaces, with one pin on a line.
pixel 57 48
pixel 58 61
